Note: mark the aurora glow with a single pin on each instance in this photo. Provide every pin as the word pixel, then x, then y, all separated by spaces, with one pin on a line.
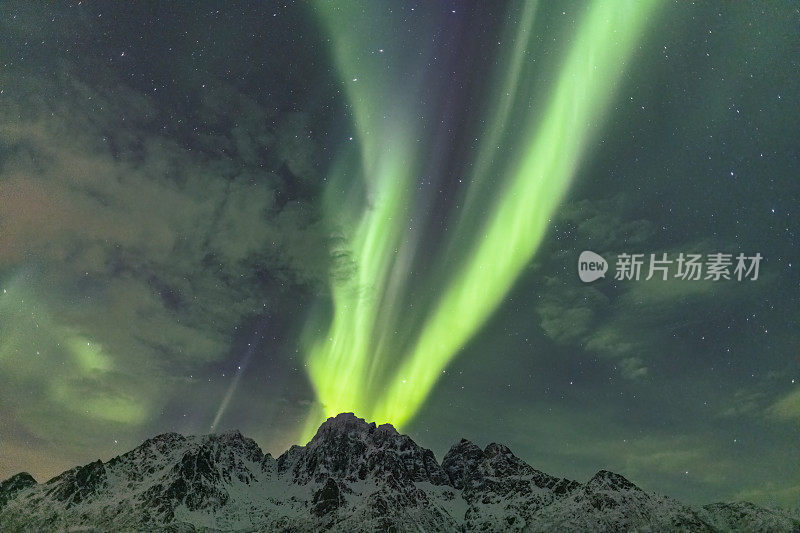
pixel 81 361
pixel 253 215
pixel 339 362
pixel 549 150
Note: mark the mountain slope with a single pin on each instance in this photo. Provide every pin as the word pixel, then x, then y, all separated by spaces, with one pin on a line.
pixel 352 476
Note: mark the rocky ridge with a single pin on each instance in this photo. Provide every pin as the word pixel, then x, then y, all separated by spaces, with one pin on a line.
pixel 352 476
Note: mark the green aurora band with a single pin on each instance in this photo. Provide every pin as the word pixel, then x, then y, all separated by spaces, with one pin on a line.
pixel 354 366
pixel 82 363
pixel 338 363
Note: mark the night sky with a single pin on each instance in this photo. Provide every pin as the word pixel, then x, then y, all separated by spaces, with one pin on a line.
pixel 221 215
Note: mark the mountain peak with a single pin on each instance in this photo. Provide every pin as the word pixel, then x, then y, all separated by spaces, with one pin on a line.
pixel 605 480
pixel 350 424
pixel 16 483
pixel 345 423
pixel 461 462
pixel 352 476
pixel 230 433
pixel 388 429
pixel 169 436
pixel 349 449
pixel 22 478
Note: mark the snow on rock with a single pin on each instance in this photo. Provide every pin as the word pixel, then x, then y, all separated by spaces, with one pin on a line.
pixel 748 517
pixel 352 476
pixel 10 487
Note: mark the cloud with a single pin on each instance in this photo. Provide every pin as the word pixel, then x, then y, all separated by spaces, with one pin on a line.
pixel 633 368
pixel 744 403
pixel 130 253
pixel 773 494
pixel 787 407
pixel 602 224
pixel 569 312
pixel 627 322
pixel 662 460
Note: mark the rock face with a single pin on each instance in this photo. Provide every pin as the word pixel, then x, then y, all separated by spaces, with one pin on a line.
pixel 352 476
pixel 10 487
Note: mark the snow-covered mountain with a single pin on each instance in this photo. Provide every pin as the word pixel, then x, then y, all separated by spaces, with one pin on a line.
pixel 352 476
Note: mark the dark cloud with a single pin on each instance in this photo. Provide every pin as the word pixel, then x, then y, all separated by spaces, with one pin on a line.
pixel 130 253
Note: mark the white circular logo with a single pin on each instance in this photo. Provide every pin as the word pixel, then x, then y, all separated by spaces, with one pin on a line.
pixel 591 266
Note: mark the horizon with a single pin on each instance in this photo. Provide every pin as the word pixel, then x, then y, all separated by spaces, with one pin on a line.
pixel 438 456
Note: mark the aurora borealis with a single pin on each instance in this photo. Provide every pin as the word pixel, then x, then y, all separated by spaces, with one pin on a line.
pixel 549 149
pixel 260 215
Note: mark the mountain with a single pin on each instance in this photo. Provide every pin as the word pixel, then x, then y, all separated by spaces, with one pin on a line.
pixel 352 476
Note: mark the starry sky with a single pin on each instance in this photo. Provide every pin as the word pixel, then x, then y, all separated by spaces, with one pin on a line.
pixel 257 215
